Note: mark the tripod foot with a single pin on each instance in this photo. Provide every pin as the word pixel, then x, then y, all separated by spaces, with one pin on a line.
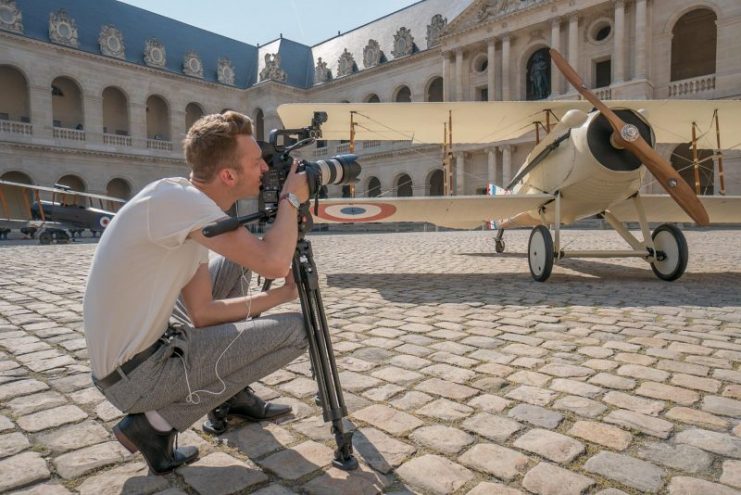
pixel 346 464
pixel 343 458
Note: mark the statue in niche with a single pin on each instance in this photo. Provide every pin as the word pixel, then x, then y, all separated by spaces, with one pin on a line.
pixel 371 54
pixel 435 29
pixel 11 18
pixel 539 76
pixel 403 43
pixel 272 70
pixel 321 73
pixel 111 42
pixel 345 64
pixel 225 71
pixel 62 29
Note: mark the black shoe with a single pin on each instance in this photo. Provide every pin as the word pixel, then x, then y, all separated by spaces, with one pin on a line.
pixel 136 434
pixel 245 405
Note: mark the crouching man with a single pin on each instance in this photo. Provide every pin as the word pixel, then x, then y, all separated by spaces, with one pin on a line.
pixel 168 330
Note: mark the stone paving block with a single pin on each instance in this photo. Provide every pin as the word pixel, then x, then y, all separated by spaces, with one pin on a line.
pixel 489 384
pixel 682 457
pixel 731 473
pixel 20 387
pixel 696 383
pixel 36 402
pixel 51 418
pixel 489 403
pixel 44 489
pixel 637 404
pixel 602 434
pixel 718 443
pixel 396 375
pixel 493 427
pixel 411 401
pixel 132 478
pixel 529 378
pixel 646 424
pixel 274 489
pixel 601 364
pixel 409 362
pixel 445 410
pixel 338 482
pixel 299 387
pixel 444 439
pixel 486 488
pixel 548 479
pixel 627 470
pixel 682 485
pixel 12 443
pixel 79 462
pixel 21 470
pixel 382 452
pixel 722 405
pixel 532 395
pixel 695 417
pixel 566 370
pixel 71 383
pixel 498 461
pixel 449 373
pixel 259 439
pixel 221 474
pixel 108 412
pixel 536 415
pixel 449 390
pixel 388 419
pixel 574 387
pixel 553 446
pixel 667 392
pixel 581 406
pixel 434 474
pixel 612 381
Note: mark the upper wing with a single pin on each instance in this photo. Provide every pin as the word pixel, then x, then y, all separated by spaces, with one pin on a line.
pixel 456 212
pixel 662 208
pixel 57 190
pixel 485 122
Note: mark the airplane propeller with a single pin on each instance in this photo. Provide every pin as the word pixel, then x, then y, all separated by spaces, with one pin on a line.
pixel 627 136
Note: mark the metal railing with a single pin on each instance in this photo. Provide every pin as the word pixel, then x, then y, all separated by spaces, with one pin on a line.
pixel 116 140
pixel 70 134
pixel 13 127
pixel 692 86
pixel 158 144
pixel 603 93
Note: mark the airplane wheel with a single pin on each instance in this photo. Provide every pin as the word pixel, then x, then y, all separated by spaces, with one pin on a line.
pixel 670 243
pixel 540 253
pixel 45 238
pixel 499 246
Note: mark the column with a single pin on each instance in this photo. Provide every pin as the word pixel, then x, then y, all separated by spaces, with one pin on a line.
pixel 459 174
pixel 93 115
pixel 138 118
pixel 574 42
pixel 41 110
pixel 177 124
pixel 506 164
pixel 506 41
pixel 459 74
pixel 490 55
pixel 641 49
pixel 492 165
pixel 446 76
pixel 618 38
pixel 556 45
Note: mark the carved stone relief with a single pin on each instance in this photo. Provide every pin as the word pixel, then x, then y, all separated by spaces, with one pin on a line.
pixel 192 65
pixel 346 64
pixel 155 54
pixel 11 18
pixel 111 42
pixel 272 70
pixel 321 73
pixel 225 71
pixel 62 29
pixel 435 29
pixel 371 54
pixel 498 8
pixel 403 43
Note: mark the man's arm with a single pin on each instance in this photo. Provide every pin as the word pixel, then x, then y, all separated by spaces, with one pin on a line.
pixel 205 311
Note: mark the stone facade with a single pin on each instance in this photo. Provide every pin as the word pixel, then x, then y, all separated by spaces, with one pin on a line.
pixel 484 52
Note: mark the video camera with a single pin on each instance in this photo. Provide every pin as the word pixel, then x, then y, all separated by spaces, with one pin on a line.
pixel 339 170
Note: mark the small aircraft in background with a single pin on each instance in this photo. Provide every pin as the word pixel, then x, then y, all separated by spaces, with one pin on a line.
pixel 591 162
pixel 65 214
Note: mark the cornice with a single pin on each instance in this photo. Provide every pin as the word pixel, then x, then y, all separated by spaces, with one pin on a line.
pixel 46 148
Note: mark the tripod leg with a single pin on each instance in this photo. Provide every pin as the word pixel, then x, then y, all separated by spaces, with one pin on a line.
pixel 321 354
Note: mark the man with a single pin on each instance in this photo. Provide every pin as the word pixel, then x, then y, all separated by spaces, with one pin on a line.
pixel 152 268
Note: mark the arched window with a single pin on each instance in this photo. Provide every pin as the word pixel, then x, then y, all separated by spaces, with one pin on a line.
pixel 682 163
pixel 404 186
pixel 16 198
pixel 158 119
pixel 435 185
pixel 66 101
pixel 259 125
pixel 694 43
pixel 374 187
pixel 373 98
pixel 435 90
pixel 118 188
pixel 75 183
pixel 14 95
pixel 403 95
pixel 538 81
pixel 193 112
pixel 115 112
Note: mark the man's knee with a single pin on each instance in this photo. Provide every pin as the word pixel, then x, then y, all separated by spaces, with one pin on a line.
pixel 295 321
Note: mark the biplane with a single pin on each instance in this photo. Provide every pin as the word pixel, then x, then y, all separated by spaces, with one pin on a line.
pixel 592 161
pixel 53 214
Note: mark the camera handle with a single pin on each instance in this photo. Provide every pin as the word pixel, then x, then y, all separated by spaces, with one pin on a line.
pixel 321 353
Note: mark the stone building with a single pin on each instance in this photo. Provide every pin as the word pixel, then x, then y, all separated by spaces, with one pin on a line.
pixel 97 94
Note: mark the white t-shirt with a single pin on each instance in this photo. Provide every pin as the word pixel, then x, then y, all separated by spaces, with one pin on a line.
pixel 141 264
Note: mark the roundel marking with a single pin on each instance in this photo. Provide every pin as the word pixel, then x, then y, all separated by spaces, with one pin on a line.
pixel 357 212
pixel 104 221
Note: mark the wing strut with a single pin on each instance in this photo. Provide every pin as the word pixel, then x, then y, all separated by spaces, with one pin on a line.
pixel 720 156
pixel 695 160
pixel 352 147
pixel 41 207
pixel 5 204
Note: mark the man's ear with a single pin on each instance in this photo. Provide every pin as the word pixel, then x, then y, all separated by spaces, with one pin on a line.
pixel 228 175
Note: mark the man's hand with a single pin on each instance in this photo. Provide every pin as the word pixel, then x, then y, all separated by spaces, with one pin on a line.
pixel 296 183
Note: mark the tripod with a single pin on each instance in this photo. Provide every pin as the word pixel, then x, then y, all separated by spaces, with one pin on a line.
pixel 321 353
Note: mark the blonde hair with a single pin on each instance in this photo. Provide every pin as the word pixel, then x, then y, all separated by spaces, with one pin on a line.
pixel 211 143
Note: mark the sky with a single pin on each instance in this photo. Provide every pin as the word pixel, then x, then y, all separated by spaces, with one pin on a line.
pixel 256 22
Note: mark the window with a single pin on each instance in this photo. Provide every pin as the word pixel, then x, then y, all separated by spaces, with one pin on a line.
pixel 602 73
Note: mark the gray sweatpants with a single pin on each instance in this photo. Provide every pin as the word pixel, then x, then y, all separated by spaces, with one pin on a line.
pixel 181 379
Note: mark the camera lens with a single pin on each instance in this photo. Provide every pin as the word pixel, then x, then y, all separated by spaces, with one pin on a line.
pixel 340 169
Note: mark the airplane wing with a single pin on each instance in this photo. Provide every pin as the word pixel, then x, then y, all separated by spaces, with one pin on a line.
pixel 58 190
pixel 662 208
pixel 493 121
pixel 461 212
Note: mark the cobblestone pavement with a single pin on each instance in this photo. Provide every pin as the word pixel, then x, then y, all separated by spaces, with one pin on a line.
pixel 462 376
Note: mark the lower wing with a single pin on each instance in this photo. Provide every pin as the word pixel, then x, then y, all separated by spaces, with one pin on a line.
pixel 662 208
